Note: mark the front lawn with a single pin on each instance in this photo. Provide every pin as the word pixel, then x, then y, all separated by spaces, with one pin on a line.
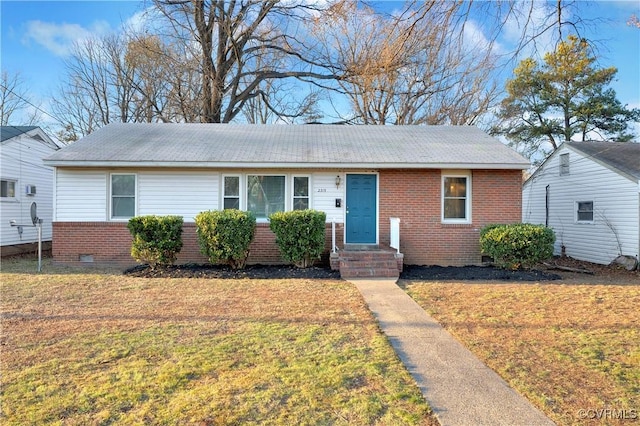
pixel 89 348
pixel 573 350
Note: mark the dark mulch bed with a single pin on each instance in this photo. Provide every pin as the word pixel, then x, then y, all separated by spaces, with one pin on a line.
pixel 410 272
pixel 473 273
pixel 218 271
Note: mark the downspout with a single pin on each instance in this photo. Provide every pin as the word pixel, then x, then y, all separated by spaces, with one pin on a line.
pixel 546 206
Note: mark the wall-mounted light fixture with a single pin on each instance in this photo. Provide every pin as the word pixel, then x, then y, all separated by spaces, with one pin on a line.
pixel 338 180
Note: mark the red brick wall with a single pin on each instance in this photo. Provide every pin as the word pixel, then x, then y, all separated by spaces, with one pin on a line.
pixel 415 197
pixel 105 242
pixel 109 243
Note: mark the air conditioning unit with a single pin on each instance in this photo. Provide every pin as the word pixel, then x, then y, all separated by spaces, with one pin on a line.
pixel 31 190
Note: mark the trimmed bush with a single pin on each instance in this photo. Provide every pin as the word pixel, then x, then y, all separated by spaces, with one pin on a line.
pixel 225 236
pixel 299 235
pixel 157 240
pixel 517 245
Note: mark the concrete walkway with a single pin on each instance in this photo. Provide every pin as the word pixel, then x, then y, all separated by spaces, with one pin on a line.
pixel 460 389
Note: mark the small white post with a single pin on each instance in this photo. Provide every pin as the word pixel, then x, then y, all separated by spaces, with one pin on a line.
pixel 394 228
pixel 333 236
pixel 39 226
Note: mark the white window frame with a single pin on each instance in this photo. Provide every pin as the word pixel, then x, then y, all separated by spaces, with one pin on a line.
pixel 289 179
pixel 292 190
pixel 456 174
pixel 593 211
pixel 135 197
pixel 240 189
pixel 15 190
pixel 564 164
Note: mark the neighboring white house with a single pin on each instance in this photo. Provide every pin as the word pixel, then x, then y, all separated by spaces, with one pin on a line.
pixel 24 179
pixel 589 193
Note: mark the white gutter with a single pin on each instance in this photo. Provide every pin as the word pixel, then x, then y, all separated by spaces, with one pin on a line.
pixel 236 165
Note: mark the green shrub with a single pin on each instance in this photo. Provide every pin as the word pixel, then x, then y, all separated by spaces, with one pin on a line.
pixel 157 240
pixel 299 235
pixel 517 245
pixel 225 236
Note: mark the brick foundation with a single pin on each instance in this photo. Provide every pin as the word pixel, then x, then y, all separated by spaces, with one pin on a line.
pixel 109 243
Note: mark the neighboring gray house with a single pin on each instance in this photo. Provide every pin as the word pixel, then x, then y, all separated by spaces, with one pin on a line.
pixel 589 193
pixel 439 184
pixel 24 179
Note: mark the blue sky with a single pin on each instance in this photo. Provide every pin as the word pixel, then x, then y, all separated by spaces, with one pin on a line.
pixel 36 37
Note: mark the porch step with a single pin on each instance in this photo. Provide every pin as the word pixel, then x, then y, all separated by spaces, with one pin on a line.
pixel 368 264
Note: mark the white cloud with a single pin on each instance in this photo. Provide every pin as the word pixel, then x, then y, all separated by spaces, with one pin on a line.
pixel 475 40
pixel 529 18
pixel 60 38
pixel 143 20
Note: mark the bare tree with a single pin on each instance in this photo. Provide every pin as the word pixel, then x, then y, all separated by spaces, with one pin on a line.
pixel 276 100
pixel 167 79
pixel 275 103
pixel 206 62
pixel 151 79
pixel 266 60
pixel 428 63
pixel 410 68
pixel 93 94
pixel 14 99
pixel 120 78
pixel 232 40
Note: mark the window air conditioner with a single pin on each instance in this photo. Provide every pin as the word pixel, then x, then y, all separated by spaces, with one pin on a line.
pixel 31 190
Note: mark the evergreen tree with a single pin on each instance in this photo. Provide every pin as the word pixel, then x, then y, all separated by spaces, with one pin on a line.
pixel 563 98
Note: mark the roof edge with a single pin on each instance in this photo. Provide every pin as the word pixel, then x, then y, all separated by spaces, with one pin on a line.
pixel 603 163
pixel 305 165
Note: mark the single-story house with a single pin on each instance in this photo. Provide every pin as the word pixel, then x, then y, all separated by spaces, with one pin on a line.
pixel 24 180
pixel 443 183
pixel 589 193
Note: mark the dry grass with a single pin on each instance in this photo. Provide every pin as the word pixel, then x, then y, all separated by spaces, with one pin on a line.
pixel 102 348
pixel 565 347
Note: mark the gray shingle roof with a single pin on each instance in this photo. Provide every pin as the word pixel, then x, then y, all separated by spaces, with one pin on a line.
pixel 231 145
pixel 621 156
pixel 8 132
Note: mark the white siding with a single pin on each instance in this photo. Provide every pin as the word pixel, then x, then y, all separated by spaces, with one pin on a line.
pixel 81 195
pixel 324 194
pixel 178 193
pixel 616 208
pixel 21 160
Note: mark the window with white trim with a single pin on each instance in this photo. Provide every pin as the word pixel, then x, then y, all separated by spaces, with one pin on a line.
pixel 300 193
pixel 7 188
pixel 584 211
pixel 265 195
pixel 564 164
pixel 456 198
pixel 123 196
pixel 231 192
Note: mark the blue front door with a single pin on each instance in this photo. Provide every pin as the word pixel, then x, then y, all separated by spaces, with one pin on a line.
pixel 361 209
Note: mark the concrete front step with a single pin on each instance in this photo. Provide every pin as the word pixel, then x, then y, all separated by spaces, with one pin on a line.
pixel 368 263
pixel 369 273
pixel 362 254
